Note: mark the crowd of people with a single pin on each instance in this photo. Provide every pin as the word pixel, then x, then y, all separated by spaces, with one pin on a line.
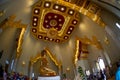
pixel 101 75
pixel 106 74
pixel 4 75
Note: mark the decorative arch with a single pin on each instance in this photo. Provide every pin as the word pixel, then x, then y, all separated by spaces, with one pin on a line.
pixel 52 57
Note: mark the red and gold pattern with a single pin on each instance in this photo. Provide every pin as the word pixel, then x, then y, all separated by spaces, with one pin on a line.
pixel 53 21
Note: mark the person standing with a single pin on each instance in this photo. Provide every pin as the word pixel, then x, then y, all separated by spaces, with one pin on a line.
pixel 117 75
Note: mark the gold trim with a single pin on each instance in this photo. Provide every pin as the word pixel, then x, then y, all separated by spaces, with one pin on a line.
pixel 17 24
pixel 52 57
pixel 76 52
pixel 85 41
pixel 20 41
pixel 83 11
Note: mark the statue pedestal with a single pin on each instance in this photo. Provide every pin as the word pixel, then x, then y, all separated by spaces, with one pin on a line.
pixel 49 78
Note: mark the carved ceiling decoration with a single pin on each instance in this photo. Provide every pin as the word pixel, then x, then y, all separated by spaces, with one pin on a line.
pixel 87 8
pixel 53 21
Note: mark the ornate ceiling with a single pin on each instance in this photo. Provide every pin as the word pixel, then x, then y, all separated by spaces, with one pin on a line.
pixel 55 20
pixel 52 21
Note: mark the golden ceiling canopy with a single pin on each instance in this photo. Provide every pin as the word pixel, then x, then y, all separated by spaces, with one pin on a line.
pixel 55 20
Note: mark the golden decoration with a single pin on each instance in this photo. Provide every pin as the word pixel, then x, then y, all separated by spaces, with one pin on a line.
pixel 44 68
pixel 96 42
pixel 52 33
pixel 52 57
pixel 71 12
pixel 20 41
pixel 68 69
pixel 43 23
pixel 23 63
pixel 89 12
pixel 17 24
pixel 84 43
pixel 106 40
pixel 53 23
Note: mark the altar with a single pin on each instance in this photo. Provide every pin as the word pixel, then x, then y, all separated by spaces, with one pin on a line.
pixel 49 78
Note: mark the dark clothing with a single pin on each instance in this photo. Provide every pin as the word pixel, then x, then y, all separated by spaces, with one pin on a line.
pixel 1 71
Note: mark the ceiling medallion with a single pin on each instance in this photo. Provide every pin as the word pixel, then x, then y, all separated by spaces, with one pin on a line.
pixel 52 21
pixel 52 33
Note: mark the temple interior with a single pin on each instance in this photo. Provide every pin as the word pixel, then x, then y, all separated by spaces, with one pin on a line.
pixel 70 39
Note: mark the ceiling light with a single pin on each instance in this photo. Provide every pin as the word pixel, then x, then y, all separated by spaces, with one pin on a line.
pixel 47 26
pixel 68 32
pixel 35 19
pixel 56 7
pixel 55 16
pixel 50 39
pixel 62 9
pixel 36 11
pixel 34 24
pixel 60 19
pixel 71 12
pixel 57 40
pixel 74 22
pixel 46 21
pixel 118 25
pixel 71 28
pixel 47 4
pixel 46 38
pixel 34 30
pixel 60 24
pixel 65 37
pixel 40 37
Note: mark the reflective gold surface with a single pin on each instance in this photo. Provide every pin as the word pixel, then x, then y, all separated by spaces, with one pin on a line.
pixel 81 51
pixel 45 70
pixel 20 41
pixel 16 24
pixel 93 11
pixel 70 11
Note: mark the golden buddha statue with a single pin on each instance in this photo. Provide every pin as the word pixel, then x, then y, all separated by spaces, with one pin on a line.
pixel 44 70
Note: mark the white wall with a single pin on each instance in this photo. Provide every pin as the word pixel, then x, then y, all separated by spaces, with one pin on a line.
pixel 7 44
